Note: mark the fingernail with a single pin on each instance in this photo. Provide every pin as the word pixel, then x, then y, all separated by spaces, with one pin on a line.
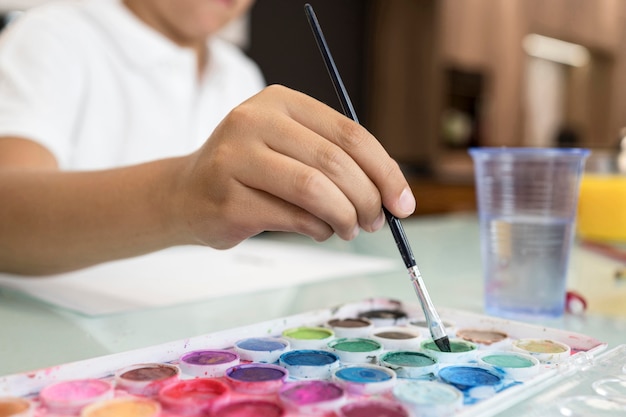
pixel 406 203
pixel 378 223
pixel 355 232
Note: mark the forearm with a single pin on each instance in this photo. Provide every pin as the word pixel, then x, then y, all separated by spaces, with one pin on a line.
pixel 53 221
pixel 280 161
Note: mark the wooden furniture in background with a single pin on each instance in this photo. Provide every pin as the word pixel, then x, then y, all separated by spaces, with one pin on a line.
pixel 417 42
pixel 437 197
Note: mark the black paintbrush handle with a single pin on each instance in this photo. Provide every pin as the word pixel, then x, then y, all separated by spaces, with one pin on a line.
pixel 340 88
pixel 400 238
pixel 396 227
pixel 434 323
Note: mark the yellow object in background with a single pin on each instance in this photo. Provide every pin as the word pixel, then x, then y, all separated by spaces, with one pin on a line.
pixel 602 207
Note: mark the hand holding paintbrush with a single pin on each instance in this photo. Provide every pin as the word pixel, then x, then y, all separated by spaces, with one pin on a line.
pixel 435 325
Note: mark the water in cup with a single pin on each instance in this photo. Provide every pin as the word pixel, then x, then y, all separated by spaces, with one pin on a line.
pixel 527 201
pixel 526 246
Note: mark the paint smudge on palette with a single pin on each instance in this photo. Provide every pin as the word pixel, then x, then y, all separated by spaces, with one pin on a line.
pixel 310 366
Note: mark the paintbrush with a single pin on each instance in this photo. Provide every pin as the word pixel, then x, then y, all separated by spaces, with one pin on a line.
pixel 435 325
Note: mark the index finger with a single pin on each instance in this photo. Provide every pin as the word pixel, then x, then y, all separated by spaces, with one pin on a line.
pixel 362 147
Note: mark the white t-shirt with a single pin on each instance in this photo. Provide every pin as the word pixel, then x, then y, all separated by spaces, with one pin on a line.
pixel 99 88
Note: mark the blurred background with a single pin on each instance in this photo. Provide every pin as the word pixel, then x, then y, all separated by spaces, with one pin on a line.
pixel 431 78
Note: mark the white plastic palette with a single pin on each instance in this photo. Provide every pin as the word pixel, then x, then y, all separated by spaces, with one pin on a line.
pixel 583 363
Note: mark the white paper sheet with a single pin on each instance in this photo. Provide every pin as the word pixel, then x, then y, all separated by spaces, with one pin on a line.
pixel 187 274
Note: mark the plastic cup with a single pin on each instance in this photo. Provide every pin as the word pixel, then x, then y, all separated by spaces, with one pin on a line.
pixel 527 201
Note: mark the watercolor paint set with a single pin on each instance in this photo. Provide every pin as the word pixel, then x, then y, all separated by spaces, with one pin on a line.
pixel 372 358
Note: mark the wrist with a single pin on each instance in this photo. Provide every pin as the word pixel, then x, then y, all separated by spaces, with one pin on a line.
pixel 170 195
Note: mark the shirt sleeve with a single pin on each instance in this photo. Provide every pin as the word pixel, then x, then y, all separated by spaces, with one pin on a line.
pixel 41 79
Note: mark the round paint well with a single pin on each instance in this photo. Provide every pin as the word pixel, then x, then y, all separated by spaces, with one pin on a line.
pixel 351 327
pixel 356 350
pixel 397 337
pixel 256 378
pixel 207 363
pixel 69 397
pixel 194 396
pixel 123 407
pixel 409 364
pixel 513 365
pixel 146 379
pixel 373 408
pixel 309 363
pixel 261 349
pixel 308 337
pixel 250 408
pixel 546 351
pixel 429 398
pixel 312 397
pixel 15 407
pixel 365 379
pixel 422 326
pixel 461 351
pixel 485 337
pixel 468 377
pixel 385 317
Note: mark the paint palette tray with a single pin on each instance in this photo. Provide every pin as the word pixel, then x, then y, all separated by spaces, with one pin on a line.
pixel 366 358
pixel 586 387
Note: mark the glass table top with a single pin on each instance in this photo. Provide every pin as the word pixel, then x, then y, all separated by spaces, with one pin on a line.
pixel 36 335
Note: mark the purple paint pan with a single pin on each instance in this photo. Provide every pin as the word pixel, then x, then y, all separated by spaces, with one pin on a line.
pixel 207 363
pixel 256 378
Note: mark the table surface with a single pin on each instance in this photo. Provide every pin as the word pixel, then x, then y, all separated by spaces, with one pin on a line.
pixel 36 335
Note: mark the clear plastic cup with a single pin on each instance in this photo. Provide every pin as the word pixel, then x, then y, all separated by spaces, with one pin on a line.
pixel 527 201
